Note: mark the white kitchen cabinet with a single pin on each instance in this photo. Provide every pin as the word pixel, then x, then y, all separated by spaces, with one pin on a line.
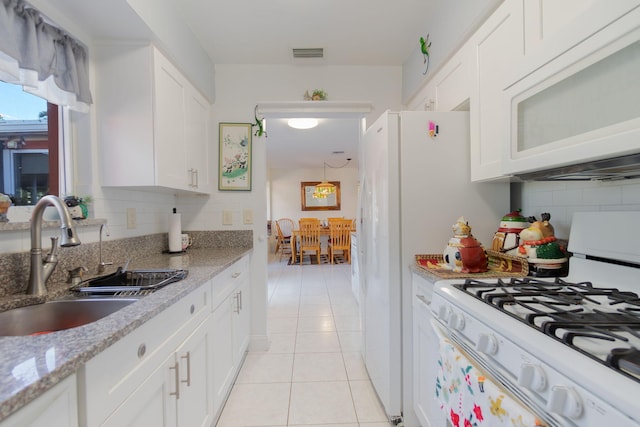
pixel 425 357
pixel 551 27
pixel 197 133
pixel 177 393
pixel 150 404
pixel 450 88
pixel 137 375
pixel 454 81
pixel 242 319
pixel 223 355
pixel 58 407
pixel 497 45
pixel 231 322
pixel 153 125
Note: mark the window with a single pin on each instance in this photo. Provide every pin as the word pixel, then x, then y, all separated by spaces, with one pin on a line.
pixel 29 146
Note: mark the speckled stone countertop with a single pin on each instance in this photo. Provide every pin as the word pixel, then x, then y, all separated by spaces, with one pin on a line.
pixel 432 277
pixel 31 365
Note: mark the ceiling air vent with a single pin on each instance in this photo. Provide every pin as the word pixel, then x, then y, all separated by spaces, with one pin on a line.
pixel 315 52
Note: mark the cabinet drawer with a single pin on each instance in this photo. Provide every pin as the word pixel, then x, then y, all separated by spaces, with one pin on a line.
pixel 229 279
pixel 111 376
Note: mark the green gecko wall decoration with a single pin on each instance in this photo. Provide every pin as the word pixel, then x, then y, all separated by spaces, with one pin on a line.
pixel 259 122
pixel 424 48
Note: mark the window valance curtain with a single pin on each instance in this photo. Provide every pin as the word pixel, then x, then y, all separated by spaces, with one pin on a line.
pixel 42 58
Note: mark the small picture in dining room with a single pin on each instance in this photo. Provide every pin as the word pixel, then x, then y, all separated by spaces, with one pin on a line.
pixel 234 161
pixel 314 200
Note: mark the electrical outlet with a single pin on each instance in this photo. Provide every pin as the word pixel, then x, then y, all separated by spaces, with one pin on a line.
pixel 247 216
pixel 227 217
pixel 131 218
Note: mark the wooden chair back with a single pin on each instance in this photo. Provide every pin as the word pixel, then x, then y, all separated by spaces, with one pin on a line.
pixel 340 238
pixel 309 237
pixel 284 227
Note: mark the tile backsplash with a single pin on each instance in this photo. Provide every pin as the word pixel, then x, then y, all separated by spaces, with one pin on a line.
pixel 562 199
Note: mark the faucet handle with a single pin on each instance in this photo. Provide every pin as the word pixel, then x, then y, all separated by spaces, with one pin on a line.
pixel 51 256
pixel 102 265
pixel 75 275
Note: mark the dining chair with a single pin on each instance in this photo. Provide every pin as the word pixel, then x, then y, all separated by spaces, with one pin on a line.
pixel 309 237
pixel 340 239
pixel 284 228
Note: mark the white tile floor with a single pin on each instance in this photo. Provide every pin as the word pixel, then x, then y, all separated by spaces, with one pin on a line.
pixel 313 372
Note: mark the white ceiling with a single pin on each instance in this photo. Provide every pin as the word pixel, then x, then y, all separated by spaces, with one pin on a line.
pixel 352 32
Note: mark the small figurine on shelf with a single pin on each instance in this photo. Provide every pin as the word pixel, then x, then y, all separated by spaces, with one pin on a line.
pixel 316 95
pixel 78 206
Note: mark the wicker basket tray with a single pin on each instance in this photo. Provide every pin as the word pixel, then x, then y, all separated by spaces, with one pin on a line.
pixel 500 265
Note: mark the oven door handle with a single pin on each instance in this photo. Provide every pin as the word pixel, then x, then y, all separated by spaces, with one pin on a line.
pixel 462 379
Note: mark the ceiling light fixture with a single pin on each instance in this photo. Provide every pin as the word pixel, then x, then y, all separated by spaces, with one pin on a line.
pixel 303 123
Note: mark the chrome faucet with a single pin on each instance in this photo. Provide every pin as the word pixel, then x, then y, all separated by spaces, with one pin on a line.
pixel 41 269
pixel 102 264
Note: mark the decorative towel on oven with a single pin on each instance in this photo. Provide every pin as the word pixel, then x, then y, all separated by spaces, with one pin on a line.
pixel 469 398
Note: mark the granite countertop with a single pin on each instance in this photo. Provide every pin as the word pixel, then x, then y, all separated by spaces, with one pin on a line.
pixel 432 277
pixel 31 365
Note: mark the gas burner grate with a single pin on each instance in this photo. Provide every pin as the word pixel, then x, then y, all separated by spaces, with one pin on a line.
pixel 576 314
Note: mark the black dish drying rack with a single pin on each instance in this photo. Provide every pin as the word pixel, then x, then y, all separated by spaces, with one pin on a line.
pixel 130 282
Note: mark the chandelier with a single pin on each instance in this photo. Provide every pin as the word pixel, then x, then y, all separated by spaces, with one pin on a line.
pixel 325 188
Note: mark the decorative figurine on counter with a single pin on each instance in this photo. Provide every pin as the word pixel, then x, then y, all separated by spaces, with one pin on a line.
pixel 507 238
pixel 539 245
pixel 464 254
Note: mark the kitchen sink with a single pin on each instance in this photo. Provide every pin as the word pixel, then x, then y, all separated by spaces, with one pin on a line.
pixel 58 315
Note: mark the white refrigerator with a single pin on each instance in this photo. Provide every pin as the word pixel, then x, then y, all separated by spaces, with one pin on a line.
pixel 415 184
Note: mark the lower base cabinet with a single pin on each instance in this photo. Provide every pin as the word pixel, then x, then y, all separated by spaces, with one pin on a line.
pixel 177 393
pixel 425 357
pixel 231 322
pixel 57 407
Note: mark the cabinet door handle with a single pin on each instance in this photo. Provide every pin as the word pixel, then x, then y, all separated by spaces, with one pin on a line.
pixel 240 300
pixel 176 369
pixel 197 180
pixel 237 308
pixel 188 358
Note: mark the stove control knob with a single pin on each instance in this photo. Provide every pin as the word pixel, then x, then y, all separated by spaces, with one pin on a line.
pixel 456 321
pixel 564 400
pixel 444 312
pixel 532 377
pixel 487 344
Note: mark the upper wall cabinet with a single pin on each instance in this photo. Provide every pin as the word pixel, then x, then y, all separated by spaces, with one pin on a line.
pixel 581 105
pixel 496 46
pixel 552 28
pixel 153 125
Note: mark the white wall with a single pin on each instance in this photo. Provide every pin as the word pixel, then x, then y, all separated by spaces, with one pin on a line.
pixel 285 192
pixel 562 199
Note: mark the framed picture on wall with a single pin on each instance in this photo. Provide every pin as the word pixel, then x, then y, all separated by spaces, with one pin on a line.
pixel 234 160
pixel 311 203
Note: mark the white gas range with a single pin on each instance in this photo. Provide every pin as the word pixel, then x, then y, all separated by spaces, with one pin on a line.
pixel 566 350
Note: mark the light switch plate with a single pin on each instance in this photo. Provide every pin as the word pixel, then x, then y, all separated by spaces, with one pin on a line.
pixel 227 217
pixel 247 216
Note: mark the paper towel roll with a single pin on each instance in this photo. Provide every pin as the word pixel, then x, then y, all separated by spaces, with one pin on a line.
pixel 175 233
